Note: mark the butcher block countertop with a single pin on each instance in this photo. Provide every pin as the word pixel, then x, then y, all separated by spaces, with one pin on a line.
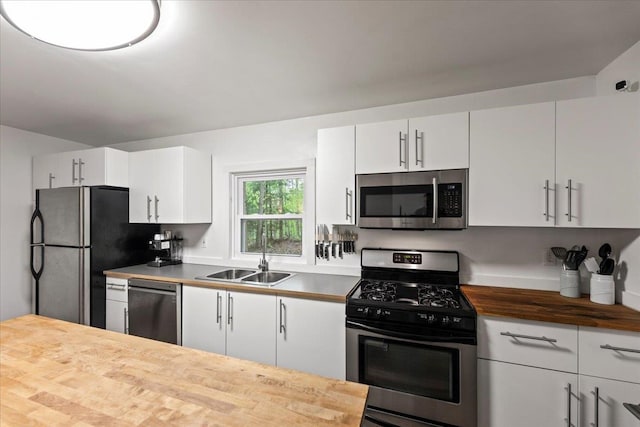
pixel 324 287
pixel 58 373
pixel 550 306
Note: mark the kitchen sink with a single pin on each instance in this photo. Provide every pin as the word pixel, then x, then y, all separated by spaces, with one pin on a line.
pixel 248 277
pixel 231 274
pixel 267 278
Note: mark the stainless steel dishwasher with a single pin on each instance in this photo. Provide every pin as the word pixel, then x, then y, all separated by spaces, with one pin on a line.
pixel 155 310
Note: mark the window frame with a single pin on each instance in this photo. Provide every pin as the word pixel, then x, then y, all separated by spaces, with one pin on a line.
pixel 267 172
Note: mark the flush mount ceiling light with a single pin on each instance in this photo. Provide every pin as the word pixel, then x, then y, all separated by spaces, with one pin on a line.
pixel 84 24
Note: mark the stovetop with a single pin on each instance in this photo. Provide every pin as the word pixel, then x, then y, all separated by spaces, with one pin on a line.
pixel 409 290
pixel 414 294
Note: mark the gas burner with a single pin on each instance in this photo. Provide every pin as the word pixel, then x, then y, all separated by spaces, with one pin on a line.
pixel 434 292
pixel 439 302
pixel 377 296
pixel 383 287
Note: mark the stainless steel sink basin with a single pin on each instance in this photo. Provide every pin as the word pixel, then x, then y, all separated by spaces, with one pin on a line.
pixel 231 274
pixel 267 278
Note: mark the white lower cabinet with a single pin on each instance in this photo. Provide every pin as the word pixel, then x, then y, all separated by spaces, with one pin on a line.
pixel 601 402
pixel 116 305
pixel 293 333
pixel 311 336
pixel 237 324
pixel 251 332
pixel 545 374
pixel 515 395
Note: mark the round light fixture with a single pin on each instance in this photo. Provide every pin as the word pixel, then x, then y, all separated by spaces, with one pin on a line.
pixel 84 24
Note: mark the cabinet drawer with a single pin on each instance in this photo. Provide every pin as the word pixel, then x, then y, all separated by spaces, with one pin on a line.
pixel 610 354
pixel 540 344
pixel 116 289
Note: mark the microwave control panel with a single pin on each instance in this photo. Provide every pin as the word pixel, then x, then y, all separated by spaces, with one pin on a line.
pixel 450 203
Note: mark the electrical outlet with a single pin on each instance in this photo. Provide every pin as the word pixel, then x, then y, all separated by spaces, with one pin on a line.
pixel 203 244
pixel 549 258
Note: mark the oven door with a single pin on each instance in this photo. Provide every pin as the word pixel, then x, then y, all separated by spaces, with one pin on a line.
pixel 414 380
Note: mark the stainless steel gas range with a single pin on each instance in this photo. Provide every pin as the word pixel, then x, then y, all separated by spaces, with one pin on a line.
pixel 411 336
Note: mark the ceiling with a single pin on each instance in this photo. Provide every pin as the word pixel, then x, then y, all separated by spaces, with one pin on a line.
pixel 219 64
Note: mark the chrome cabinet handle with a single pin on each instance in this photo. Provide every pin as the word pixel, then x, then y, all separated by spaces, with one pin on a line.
pixel 148 208
pixel 546 200
pixel 116 286
pixel 80 178
pixel 283 328
pixel 126 321
pixel 348 198
pixel 435 200
pixel 568 419
pixel 229 307
pixel 218 307
pixel 156 200
pixel 528 337
pixel 610 347
pixel 400 141
pixel 51 178
pixel 596 396
pixel 568 214
pixel 419 136
pixel 73 170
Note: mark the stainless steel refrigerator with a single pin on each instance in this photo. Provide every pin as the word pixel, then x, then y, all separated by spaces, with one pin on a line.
pixel 76 234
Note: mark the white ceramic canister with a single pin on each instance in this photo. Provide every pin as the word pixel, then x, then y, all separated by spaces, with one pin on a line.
pixel 570 283
pixel 602 289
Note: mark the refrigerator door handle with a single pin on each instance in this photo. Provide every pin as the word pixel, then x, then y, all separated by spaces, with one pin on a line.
pixel 37 215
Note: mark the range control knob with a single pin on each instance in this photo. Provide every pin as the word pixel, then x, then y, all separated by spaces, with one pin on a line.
pixel 365 311
pixel 446 321
pixel 375 313
pixel 431 319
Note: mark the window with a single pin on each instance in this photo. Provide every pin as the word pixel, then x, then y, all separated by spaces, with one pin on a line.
pixel 270 204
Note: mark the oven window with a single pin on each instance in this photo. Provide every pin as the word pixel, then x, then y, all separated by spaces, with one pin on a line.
pixel 417 369
pixel 397 201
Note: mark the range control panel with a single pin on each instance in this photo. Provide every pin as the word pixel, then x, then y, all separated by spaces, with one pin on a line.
pixel 407 258
pixel 450 200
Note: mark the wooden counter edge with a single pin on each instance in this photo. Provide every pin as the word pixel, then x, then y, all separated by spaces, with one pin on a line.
pixel 617 316
pixel 233 287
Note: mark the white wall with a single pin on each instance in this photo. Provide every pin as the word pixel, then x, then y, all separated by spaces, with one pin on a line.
pixel 16 149
pixel 495 256
pixel 625 67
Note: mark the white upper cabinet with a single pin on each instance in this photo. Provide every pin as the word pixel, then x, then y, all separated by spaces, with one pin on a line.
pixel 335 180
pixel 170 186
pixel 598 154
pixel 512 166
pixel 382 147
pixel 97 166
pixel 424 143
pixel 439 142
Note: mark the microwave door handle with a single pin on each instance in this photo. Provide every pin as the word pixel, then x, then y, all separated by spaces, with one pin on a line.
pixel 435 200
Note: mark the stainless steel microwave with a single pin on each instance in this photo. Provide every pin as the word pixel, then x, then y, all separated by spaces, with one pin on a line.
pixel 413 200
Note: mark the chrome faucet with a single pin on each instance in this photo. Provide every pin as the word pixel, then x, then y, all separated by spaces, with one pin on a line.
pixel 264 265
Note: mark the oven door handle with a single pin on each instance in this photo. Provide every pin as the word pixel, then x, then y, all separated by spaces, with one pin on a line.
pixel 414 337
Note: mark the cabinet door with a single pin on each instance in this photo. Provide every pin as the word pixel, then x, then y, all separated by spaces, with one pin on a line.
pixel 603 399
pixel 167 191
pixel 439 142
pixel 335 172
pixel 382 147
pixel 598 149
pixel 116 316
pixel 515 395
pixel 307 344
pixel 141 183
pixel 251 327
pixel 45 171
pixel 90 169
pixel 204 319
pixel 512 166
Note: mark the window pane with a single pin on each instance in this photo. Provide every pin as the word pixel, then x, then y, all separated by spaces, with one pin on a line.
pixel 284 236
pixel 273 197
